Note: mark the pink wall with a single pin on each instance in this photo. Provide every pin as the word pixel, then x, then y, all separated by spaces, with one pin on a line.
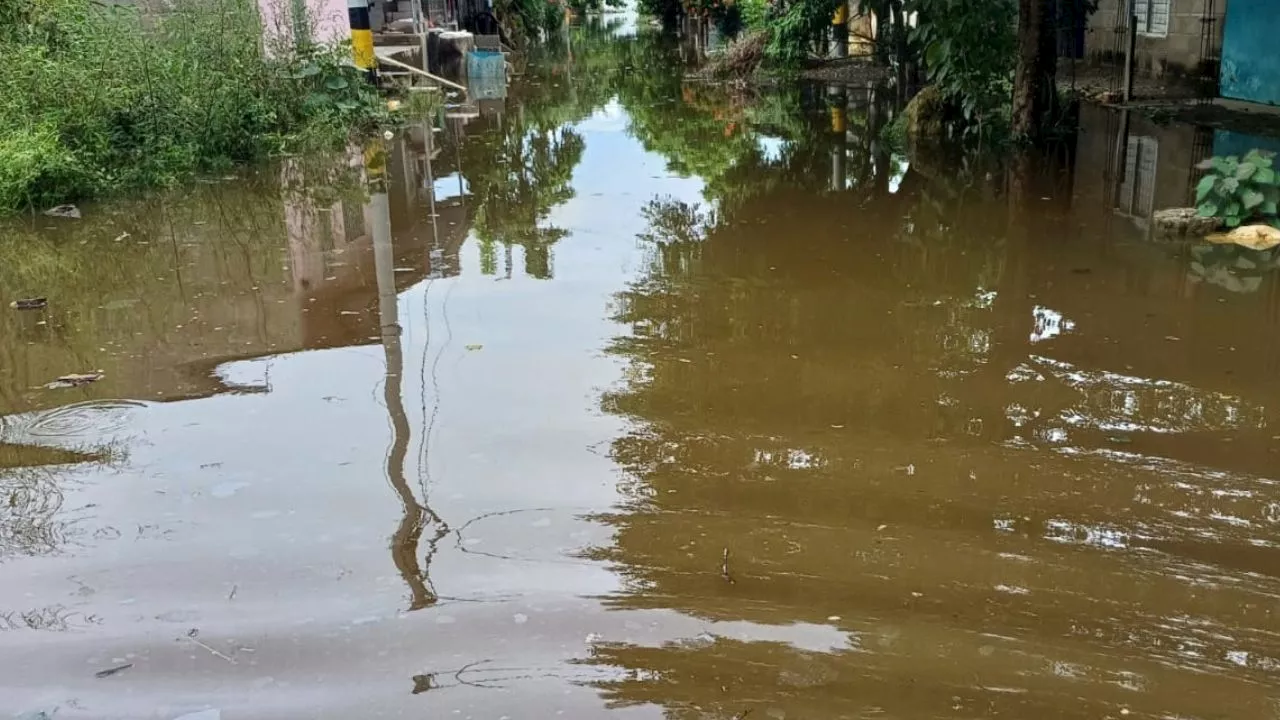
pixel 327 18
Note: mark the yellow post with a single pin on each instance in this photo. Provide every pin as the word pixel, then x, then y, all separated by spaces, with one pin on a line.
pixel 840 31
pixel 362 38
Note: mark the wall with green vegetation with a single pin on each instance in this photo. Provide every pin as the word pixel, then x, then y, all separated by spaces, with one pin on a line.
pixel 96 98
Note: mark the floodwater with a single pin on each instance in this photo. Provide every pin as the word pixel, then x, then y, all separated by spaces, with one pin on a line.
pixel 619 395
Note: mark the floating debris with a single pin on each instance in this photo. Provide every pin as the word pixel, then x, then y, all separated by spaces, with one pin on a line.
pixel 74 380
pixel 202 715
pixel 1254 237
pixel 36 303
pixel 112 671
pixel 64 211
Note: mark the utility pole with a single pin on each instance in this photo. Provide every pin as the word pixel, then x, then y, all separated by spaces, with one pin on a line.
pixel 840 31
pixel 362 38
pixel 1130 47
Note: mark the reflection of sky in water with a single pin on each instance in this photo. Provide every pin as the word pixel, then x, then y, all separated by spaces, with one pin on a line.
pixel 610 118
pixel 1066 531
pixel 900 167
pixel 450 186
pixel 1048 324
pixel 771 148
pixel 1124 403
pixel 793 459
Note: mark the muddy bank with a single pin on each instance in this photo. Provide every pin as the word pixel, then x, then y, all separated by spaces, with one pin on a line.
pixel 850 71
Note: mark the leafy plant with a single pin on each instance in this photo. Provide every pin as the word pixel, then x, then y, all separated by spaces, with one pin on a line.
pixel 969 49
pixel 1239 191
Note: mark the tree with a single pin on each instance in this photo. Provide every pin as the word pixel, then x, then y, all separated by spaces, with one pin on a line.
pixel 1034 90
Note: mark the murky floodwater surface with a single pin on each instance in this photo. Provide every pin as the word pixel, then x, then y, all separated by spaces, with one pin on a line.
pixel 620 395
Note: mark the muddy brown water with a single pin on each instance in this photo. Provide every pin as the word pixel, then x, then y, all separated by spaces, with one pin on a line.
pixel 823 432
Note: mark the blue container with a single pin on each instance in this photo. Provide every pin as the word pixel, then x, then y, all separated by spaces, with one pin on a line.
pixel 486 64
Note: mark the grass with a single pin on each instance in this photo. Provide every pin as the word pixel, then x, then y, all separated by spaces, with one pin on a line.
pixel 98 98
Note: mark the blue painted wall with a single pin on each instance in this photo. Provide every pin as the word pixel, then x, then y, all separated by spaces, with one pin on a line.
pixel 1250 63
pixel 1226 142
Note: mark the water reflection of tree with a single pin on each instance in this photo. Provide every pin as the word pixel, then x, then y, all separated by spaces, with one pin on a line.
pixel 517 175
pixel 32 480
pixel 522 166
pixel 827 390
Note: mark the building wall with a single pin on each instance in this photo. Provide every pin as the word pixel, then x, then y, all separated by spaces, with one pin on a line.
pixel 1250 64
pixel 1175 54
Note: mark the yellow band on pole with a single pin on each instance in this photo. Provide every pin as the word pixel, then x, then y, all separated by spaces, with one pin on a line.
pixel 842 15
pixel 375 159
pixel 362 49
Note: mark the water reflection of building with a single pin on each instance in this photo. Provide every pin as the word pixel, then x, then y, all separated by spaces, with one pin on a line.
pixel 232 272
pixel 1134 166
pixel 1130 167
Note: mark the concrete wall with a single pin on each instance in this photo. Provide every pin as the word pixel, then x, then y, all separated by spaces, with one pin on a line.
pixel 1176 54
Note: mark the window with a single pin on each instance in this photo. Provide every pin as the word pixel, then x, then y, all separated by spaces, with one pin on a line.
pixel 1137 192
pixel 1153 17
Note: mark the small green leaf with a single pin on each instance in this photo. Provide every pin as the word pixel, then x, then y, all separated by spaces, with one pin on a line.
pixel 1233 220
pixel 1269 207
pixel 1205 187
pixel 1233 208
pixel 1251 199
pixel 347 105
pixel 1261 158
pixel 317 100
pixel 1226 165
pixel 933 54
pixel 1265 176
pixel 1208 209
pixel 308 70
pixel 1245 170
pixel 336 82
pixel 1230 185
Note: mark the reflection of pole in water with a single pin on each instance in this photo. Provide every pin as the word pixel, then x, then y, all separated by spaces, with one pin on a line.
pixel 405 540
pixel 434 254
pixel 838 101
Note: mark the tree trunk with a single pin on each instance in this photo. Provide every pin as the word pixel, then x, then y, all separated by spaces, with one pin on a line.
pixel 1034 91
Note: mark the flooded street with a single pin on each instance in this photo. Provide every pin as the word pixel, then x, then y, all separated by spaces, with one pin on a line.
pixel 621 395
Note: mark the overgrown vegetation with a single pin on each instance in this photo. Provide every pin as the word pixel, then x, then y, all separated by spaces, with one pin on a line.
pixel 1240 191
pixel 530 19
pixel 969 52
pixel 97 98
pixel 993 62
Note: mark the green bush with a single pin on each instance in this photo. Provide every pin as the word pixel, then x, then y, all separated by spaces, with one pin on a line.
pixel 797 28
pixel 97 98
pixel 1240 191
